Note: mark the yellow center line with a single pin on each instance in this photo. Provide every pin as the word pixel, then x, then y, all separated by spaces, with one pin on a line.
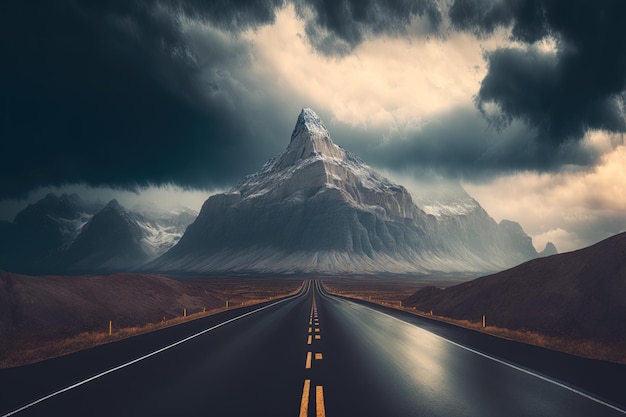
pixel 317 330
pixel 310 330
pixel 308 341
pixel 308 361
pixel 318 356
pixel 318 337
pixel 320 410
pixel 304 404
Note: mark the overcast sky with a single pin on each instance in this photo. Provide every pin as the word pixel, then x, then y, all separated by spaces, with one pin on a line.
pixel 521 101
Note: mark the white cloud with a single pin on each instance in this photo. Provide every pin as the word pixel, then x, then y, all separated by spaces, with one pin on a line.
pixel 166 197
pixel 384 81
pixel 564 240
pixel 575 208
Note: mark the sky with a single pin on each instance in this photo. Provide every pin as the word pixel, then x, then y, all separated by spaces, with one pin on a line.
pixel 522 101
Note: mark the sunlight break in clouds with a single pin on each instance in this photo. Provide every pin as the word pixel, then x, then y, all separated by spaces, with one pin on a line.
pixel 384 80
pixel 571 209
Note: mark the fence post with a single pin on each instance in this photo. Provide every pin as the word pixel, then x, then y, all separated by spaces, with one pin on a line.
pixel 484 321
pixel 185 312
pixel 110 327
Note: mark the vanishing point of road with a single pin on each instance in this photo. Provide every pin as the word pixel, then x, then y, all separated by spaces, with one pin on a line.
pixel 315 354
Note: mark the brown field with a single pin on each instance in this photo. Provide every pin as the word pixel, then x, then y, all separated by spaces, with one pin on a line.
pixel 42 317
pixel 391 292
pixel 389 289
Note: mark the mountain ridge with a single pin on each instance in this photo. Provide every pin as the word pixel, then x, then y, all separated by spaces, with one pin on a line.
pixel 56 235
pixel 314 208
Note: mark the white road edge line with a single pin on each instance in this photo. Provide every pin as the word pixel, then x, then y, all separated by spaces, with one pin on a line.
pixel 536 375
pixel 156 352
pixel 500 361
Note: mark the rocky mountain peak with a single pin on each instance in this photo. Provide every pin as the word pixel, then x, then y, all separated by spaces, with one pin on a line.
pixel 317 208
pixel 309 123
pixel 113 205
pixel 309 138
pixel 549 250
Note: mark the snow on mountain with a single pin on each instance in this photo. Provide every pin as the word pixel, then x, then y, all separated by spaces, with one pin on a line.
pixel 162 229
pixel 120 239
pixel 319 208
pixel 63 233
pixel 439 197
pixel 314 208
pixel 42 231
pixel 71 228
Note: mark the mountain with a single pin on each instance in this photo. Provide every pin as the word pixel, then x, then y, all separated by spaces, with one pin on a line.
pixel 117 239
pixel 549 250
pixel 66 234
pixel 317 208
pixel 111 240
pixel 162 228
pixel 576 294
pixel 42 231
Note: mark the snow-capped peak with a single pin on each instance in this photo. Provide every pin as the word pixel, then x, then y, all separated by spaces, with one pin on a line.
pixel 309 138
pixel 309 123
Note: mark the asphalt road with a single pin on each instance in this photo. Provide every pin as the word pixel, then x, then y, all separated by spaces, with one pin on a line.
pixel 313 355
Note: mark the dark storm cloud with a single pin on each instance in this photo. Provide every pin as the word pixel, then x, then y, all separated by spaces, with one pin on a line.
pixel 461 144
pixel 562 95
pixel 336 27
pixel 231 14
pixel 109 93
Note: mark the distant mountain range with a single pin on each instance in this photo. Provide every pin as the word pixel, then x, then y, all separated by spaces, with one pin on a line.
pixel 314 208
pixel 317 208
pixel 577 294
pixel 65 234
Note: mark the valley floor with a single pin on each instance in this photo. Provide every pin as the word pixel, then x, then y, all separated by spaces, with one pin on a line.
pixel 50 316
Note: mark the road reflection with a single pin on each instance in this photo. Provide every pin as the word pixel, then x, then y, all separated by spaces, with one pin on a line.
pixel 420 373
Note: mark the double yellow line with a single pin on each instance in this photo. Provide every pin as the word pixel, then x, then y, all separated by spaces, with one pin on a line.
pixel 320 409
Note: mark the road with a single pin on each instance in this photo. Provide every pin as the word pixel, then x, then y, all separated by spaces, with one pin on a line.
pixel 314 354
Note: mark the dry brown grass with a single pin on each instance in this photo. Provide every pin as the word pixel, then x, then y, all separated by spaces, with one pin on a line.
pixel 585 348
pixel 30 347
pixel 36 351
